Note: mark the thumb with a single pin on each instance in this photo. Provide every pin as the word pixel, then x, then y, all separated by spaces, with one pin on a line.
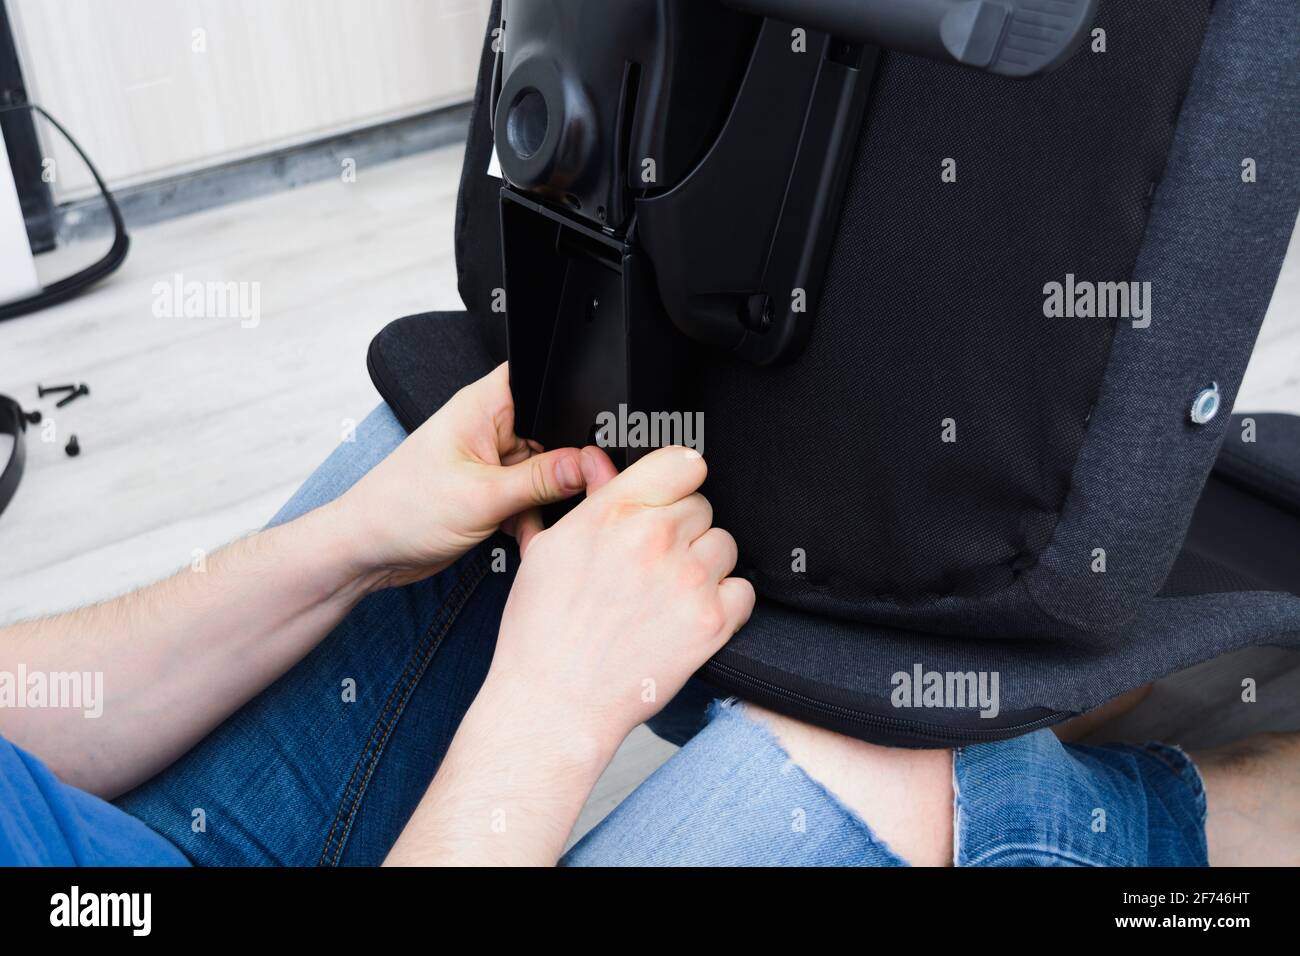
pixel 597 469
pixel 661 478
pixel 541 480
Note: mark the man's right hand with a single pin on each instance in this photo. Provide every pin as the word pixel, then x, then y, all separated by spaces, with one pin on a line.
pixel 619 603
pixel 613 609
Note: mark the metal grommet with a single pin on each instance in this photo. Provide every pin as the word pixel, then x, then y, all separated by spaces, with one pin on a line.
pixel 1206 405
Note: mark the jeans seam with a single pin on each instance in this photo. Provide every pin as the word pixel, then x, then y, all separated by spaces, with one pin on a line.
pixel 394 707
pixel 1040 850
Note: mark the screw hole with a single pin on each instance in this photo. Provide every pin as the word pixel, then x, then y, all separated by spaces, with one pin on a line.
pixel 527 123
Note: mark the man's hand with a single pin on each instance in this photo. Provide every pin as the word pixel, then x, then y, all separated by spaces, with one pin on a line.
pixel 455 481
pixel 182 655
pixel 617 605
pixel 611 612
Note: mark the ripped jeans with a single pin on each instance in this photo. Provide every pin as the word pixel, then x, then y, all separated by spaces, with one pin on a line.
pixel 732 797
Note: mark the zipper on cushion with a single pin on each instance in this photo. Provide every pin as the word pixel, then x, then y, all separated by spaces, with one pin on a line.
pixel 762 691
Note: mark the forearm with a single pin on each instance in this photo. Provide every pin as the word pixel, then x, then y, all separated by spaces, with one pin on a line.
pixel 510 789
pixel 174 660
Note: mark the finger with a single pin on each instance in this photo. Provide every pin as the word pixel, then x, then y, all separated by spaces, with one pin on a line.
pixel 527 527
pixel 692 516
pixel 489 393
pixel 597 469
pixel 660 478
pixel 495 385
pixel 716 550
pixel 492 398
pixel 541 480
pixel 519 451
pixel 737 597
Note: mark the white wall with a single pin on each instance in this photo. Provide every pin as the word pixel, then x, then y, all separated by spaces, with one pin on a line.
pixel 130 79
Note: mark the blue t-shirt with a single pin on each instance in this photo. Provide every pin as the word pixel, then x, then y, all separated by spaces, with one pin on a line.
pixel 44 822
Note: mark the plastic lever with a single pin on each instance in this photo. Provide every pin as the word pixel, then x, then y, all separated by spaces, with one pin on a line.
pixel 1016 38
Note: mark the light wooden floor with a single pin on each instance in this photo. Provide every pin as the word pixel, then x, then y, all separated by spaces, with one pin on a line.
pixel 198 429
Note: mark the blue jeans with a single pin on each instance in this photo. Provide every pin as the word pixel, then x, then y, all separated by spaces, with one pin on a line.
pixel 732 797
pixel 300 776
pixel 314 772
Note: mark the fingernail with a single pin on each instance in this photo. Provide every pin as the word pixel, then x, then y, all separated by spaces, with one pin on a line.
pixel 691 454
pixel 569 473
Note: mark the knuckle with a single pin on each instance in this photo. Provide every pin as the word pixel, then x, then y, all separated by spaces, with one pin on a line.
pixel 723 541
pixel 704 507
pixel 743 600
pixel 654 536
pixel 711 620
pixel 733 554
pixel 538 488
pixel 694 574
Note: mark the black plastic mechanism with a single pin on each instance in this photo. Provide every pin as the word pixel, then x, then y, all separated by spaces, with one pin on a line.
pixel 674 171
pixel 1017 38
pixel 585 333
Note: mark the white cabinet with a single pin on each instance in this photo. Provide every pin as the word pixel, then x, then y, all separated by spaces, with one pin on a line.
pixel 152 88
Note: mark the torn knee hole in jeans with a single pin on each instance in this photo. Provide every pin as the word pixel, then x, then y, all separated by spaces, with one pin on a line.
pixel 733 709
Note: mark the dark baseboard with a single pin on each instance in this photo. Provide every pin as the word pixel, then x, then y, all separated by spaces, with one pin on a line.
pixel 272 172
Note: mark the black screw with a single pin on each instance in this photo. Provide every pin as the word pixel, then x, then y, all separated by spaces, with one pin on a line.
pixel 81 390
pixel 33 417
pixel 74 447
pixel 42 391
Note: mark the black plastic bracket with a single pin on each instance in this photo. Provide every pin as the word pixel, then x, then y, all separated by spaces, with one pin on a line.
pixel 661 198
pixel 740 246
pixel 584 329
pixel 674 172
